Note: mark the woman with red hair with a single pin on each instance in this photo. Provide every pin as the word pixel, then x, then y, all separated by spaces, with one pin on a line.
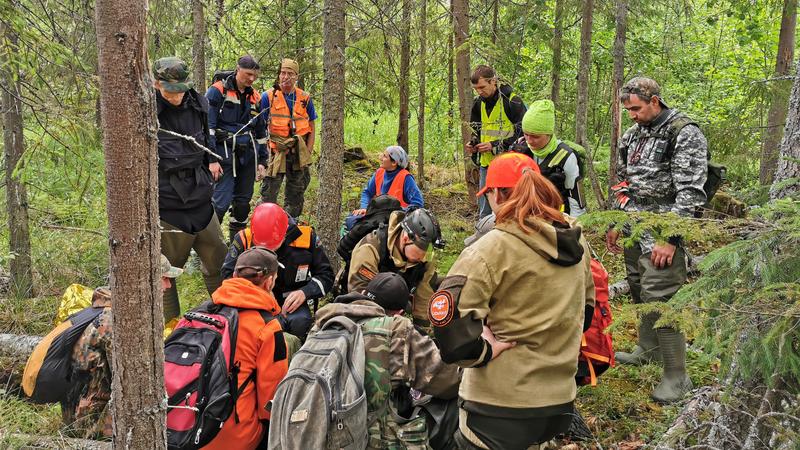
pixel 511 312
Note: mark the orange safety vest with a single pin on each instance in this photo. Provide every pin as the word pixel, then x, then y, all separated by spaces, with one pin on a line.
pixel 279 117
pixel 396 189
pixel 233 96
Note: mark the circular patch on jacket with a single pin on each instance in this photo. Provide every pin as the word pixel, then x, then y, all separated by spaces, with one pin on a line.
pixel 441 308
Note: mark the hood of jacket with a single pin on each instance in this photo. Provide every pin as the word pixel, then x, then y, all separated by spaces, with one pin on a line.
pixel 559 243
pixel 241 293
pixel 354 306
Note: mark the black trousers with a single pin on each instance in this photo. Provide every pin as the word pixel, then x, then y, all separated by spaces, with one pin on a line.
pixel 503 433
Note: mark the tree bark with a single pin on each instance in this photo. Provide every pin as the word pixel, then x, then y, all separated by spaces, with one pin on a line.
pixel 423 35
pixel 621 17
pixel 495 14
pixel 584 69
pixel 19 243
pixel 199 46
pixel 129 141
pixel 329 200
pixel 405 65
pixel 778 89
pixel 451 85
pixel 460 12
pixel 786 177
pixel 555 72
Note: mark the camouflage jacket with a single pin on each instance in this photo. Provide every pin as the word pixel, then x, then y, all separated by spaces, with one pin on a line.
pixel 659 183
pixel 413 362
pixel 86 411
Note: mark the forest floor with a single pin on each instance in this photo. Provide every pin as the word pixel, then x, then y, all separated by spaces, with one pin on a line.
pixel 618 411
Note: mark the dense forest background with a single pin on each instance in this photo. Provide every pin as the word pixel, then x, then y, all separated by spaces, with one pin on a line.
pixel 728 64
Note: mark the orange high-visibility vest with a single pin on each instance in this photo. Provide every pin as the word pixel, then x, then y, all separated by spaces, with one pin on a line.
pixel 233 96
pixel 396 188
pixel 279 117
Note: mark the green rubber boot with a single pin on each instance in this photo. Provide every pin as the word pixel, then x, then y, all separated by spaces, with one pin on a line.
pixel 646 351
pixel 675 383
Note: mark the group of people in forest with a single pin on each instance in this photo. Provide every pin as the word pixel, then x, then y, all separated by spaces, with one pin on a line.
pixel 496 338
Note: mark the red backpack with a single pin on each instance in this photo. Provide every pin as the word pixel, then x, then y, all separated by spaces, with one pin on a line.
pixel 597 352
pixel 200 374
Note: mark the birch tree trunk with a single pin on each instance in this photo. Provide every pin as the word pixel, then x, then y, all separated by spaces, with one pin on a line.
pixel 423 32
pixel 787 176
pixel 621 17
pixel 460 11
pixel 199 46
pixel 329 200
pixel 778 89
pixel 129 139
pixel 19 243
pixel 405 65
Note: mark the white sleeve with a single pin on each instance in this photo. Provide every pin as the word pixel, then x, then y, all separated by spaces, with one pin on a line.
pixel 571 171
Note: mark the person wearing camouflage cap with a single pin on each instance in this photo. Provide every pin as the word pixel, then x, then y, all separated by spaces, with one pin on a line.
pixel 85 409
pixel 290 117
pixel 662 167
pixel 401 364
pixel 185 182
pixel 406 247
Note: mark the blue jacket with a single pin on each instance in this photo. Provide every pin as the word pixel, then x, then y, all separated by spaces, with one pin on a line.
pixel 411 193
pixel 229 110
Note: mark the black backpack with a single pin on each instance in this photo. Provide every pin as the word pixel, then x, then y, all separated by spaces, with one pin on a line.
pixel 48 373
pixel 221 75
pixel 378 212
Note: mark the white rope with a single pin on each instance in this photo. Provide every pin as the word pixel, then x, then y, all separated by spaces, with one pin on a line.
pixel 193 141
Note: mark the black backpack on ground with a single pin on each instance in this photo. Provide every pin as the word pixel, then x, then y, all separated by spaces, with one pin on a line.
pixel 378 212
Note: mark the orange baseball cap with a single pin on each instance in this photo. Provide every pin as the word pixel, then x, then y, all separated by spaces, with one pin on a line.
pixel 506 170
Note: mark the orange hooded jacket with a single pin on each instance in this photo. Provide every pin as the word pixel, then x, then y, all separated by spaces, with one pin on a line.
pixel 259 347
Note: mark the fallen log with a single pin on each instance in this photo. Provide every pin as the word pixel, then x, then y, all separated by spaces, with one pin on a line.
pixel 18 345
pixel 30 442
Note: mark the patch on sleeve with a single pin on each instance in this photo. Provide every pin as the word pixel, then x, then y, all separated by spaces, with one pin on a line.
pixel 366 273
pixel 441 309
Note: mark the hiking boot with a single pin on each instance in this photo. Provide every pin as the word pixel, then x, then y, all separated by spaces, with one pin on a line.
pixel 675 383
pixel 646 351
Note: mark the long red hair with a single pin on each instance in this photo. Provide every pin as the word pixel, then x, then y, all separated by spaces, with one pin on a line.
pixel 533 195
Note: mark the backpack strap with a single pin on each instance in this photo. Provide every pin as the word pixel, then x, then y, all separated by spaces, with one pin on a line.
pixel 376 373
pixel 674 128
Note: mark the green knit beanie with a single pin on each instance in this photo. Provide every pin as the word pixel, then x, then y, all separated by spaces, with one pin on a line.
pixel 540 118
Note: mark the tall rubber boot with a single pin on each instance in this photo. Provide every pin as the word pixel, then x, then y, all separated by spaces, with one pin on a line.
pixel 172 306
pixel 234 226
pixel 675 383
pixel 646 351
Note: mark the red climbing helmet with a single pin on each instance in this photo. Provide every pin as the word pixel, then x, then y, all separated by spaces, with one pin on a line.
pixel 269 224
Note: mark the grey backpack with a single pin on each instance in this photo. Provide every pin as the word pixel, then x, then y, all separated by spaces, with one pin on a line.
pixel 321 403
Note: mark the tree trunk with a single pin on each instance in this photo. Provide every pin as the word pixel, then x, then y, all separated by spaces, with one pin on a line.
pixel 555 72
pixel 199 46
pixel 129 140
pixel 405 64
pixel 460 12
pixel 19 243
pixel 786 177
pixel 584 69
pixel 616 84
pixel 423 32
pixel 451 87
pixel 778 89
pixel 495 14
pixel 329 199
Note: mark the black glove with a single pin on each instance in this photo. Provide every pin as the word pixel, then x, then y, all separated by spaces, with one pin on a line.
pixel 222 136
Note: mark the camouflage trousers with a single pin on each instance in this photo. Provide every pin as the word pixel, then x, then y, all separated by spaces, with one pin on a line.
pixel 392 432
pixel 296 184
pixel 649 283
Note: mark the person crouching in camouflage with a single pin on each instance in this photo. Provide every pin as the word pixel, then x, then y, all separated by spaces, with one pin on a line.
pixel 86 411
pixel 414 366
pixel 662 168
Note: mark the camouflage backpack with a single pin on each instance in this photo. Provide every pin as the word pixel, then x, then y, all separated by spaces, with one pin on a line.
pixel 387 428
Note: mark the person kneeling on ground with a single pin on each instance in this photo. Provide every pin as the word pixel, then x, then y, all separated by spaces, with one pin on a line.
pixel 260 348
pixel 414 361
pixel 392 178
pixel 305 272
pixel 85 410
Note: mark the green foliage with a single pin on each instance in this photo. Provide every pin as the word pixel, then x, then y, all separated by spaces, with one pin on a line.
pixel 749 297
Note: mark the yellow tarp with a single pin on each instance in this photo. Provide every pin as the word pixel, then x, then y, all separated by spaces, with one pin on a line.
pixel 75 298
